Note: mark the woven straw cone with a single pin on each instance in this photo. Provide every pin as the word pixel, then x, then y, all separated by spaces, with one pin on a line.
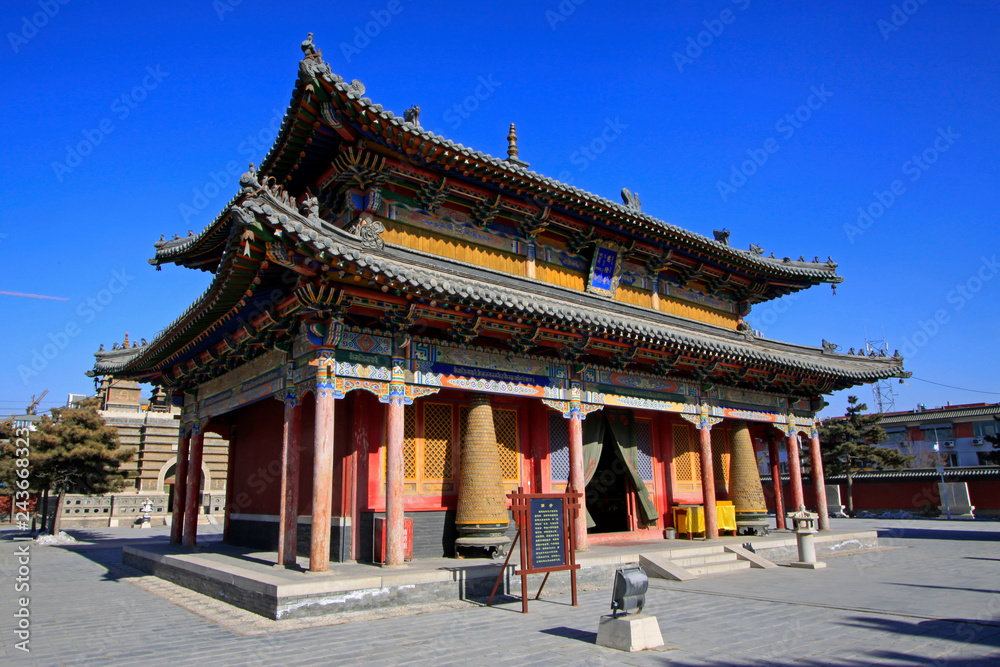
pixel 744 486
pixel 480 497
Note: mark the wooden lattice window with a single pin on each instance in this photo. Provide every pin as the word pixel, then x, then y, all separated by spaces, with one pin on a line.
pixel 428 448
pixel 438 433
pixel 409 442
pixel 687 466
pixel 505 424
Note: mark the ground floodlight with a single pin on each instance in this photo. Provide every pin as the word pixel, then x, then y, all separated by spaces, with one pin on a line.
pixel 629 595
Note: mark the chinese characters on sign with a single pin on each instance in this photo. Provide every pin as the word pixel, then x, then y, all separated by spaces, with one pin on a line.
pixel 548 547
pixel 606 270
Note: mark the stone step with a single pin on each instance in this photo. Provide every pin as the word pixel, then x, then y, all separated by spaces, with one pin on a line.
pixel 674 554
pixel 719 568
pixel 704 560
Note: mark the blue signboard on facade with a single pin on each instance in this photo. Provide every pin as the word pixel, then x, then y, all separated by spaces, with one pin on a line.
pixel 605 271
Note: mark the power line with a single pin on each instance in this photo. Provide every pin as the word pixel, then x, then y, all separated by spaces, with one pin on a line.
pixel 974 391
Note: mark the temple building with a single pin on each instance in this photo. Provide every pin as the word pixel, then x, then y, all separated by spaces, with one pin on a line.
pixel 402 329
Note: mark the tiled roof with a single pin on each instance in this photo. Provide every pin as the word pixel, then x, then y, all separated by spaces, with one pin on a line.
pixel 410 139
pixel 587 312
pixel 944 414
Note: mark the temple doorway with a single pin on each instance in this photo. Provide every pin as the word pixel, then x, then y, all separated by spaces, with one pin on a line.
pixel 609 493
pixel 616 497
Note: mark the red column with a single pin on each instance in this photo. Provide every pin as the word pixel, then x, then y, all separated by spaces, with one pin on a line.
pixel 795 470
pixel 779 498
pixel 394 483
pixel 180 486
pixel 708 481
pixel 288 520
pixel 192 504
pixel 819 482
pixel 576 477
pixel 319 548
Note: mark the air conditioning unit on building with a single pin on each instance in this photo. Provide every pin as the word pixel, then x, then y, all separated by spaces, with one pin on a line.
pixel 978 442
pixel 950 444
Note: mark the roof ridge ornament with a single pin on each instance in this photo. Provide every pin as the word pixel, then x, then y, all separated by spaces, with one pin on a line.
pixel 722 235
pixel 512 149
pixel 631 200
pixel 412 115
pixel 309 49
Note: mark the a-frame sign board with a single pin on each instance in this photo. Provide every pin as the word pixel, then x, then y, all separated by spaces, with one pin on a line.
pixel 545 524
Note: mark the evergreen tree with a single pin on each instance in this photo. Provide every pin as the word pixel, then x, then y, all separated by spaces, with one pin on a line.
pixel 75 451
pixel 847 449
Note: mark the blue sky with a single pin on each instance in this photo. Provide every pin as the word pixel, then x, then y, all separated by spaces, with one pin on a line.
pixel 781 121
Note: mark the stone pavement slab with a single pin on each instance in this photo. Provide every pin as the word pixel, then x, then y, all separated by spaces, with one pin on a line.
pixel 932 599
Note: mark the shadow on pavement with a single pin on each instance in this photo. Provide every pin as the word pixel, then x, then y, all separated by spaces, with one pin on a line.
pixel 959 630
pixel 105 547
pixel 948 588
pixel 940 534
pixel 573 633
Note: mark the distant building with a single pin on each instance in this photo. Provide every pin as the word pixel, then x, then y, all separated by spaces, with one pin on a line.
pixel 150 427
pixel 959 431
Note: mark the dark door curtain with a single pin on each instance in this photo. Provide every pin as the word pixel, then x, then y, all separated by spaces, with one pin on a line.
pixel 594 429
pixel 593 441
pixel 620 422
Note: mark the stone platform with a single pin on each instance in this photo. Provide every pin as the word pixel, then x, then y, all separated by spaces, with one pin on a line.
pixel 249 579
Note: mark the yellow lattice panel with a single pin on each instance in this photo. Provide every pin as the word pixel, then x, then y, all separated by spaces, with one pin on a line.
pixel 505 424
pixel 558 275
pixel 409 442
pixel 445 246
pixel 437 441
pixel 687 468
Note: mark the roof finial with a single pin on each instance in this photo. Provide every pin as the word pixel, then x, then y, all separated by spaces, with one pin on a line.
pixel 512 148
pixel 125 344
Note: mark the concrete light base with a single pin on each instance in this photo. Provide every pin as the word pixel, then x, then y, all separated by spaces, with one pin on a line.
pixel 818 565
pixel 629 633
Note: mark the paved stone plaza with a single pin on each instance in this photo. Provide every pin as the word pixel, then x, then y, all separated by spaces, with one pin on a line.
pixel 930 595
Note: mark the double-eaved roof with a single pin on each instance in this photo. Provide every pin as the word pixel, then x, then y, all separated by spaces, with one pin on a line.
pixel 273 227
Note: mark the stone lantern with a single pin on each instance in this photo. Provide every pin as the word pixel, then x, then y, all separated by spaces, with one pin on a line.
pixel 804 523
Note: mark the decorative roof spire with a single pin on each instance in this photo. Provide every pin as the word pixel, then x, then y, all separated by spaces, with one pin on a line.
pixel 512 148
